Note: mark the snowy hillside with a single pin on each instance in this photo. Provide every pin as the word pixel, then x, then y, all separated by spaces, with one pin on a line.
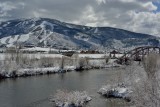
pixel 45 32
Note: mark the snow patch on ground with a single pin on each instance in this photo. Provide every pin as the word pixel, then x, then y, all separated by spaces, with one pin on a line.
pixel 115 91
pixel 93 55
pixel 31 56
pixel 39 49
pixel 3 40
pixel 23 38
pixel 117 44
pixel 10 40
pixel 81 36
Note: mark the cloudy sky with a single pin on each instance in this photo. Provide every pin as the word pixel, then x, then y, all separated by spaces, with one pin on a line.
pixel 135 15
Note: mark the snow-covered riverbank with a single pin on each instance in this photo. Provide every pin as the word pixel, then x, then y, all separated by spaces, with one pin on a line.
pixel 115 91
pixel 35 71
pixel 41 71
pixel 16 65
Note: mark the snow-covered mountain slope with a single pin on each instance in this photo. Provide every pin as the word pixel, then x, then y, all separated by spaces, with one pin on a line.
pixel 45 32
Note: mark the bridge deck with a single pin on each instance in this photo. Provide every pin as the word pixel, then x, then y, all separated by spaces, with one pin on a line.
pixel 137 54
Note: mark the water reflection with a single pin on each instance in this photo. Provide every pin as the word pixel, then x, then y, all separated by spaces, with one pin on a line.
pixel 35 91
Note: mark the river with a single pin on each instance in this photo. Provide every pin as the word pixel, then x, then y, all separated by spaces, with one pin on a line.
pixel 35 91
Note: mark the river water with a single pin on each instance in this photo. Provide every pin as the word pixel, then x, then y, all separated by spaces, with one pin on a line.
pixel 35 91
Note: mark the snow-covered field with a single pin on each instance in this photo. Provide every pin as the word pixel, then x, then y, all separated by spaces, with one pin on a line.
pixel 93 55
pixel 34 49
pixel 99 55
pixel 31 56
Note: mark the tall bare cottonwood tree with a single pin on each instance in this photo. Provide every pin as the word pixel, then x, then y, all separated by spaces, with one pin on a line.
pixel 147 91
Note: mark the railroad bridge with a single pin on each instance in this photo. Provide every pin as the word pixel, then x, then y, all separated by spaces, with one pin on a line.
pixel 137 54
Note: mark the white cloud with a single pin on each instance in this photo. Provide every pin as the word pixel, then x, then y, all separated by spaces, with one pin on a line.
pixel 149 6
pixel 134 15
pixel 145 22
pixel 88 17
pixel 5 7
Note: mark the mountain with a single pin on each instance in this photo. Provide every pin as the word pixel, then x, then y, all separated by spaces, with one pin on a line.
pixel 44 32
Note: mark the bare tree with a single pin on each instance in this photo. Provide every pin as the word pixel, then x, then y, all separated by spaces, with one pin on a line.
pixel 146 92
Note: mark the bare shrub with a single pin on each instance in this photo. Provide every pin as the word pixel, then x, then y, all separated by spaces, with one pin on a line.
pixel 146 92
pixel 25 62
pixel 79 62
pixel 8 68
pixel 46 62
pixel 67 99
pixel 11 50
pixel 68 61
pixel 62 62
pixel 150 65
pixel 15 61
pixel 106 58
pixel 82 63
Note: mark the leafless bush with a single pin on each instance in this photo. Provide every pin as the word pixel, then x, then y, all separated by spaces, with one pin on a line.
pixel 146 91
pixel 46 62
pixel 82 63
pixel 62 62
pixel 106 58
pixel 11 50
pixel 68 61
pixel 150 64
pixel 67 99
